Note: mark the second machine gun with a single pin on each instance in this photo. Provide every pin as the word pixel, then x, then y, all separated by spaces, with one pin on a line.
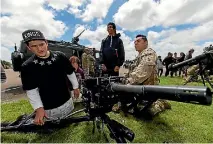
pixel 100 94
pixel 203 63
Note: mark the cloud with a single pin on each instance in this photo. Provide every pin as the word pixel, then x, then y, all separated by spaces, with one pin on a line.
pixel 142 14
pixel 64 4
pixel 96 36
pixel 87 10
pixel 173 40
pixel 17 16
pixel 96 9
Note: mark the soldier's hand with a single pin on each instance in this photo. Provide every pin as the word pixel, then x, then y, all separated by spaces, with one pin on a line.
pixel 124 81
pixel 76 93
pixel 116 69
pixel 104 67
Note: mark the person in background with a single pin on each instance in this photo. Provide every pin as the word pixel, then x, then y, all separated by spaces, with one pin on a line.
pixel 188 56
pixel 75 63
pixel 79 74
pixel 175 61
pixel 88 62
pixel 112 54
pixel 160 66
pixel 167 61
pixel 180 59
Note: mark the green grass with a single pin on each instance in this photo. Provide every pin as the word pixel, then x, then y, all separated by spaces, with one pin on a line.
pixel 184 123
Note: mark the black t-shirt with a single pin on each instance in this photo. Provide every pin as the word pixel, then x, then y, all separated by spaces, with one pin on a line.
pixel 49 76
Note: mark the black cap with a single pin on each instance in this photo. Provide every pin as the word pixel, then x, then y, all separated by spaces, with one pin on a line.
pixel 112 24
pixel 32 34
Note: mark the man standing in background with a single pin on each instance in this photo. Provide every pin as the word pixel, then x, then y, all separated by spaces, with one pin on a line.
pixel 180 59
pixel 175 61
pixel 188 56
pixel 160 66
pixel 112 54
pixel 88 62
pixel 167 61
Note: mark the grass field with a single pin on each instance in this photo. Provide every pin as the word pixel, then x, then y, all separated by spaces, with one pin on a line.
pixel 184 123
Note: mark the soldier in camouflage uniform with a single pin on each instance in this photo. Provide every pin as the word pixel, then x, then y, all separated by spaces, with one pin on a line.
pixel 144 72
pixel 88 62
pixel 92 61
pixel 84 62
pixel 191 73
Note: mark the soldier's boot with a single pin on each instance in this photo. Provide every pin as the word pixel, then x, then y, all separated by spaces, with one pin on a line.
pixel 117 107
pixel 165 104
pixel 158 107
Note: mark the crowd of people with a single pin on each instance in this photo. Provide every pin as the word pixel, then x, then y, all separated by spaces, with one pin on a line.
pixel 173 59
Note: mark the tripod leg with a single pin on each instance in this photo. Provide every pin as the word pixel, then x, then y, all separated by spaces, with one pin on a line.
pixel 105 136
pixel 93 129
pixel 113 130
pixel 207 79
pixel 203 80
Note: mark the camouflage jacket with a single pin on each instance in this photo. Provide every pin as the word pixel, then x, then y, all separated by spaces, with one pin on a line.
pixel 144 69
pixel 88 62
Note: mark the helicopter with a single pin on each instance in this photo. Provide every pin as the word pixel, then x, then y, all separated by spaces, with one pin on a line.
pixel 72 48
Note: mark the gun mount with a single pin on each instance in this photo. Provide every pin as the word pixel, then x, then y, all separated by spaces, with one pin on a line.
pixel 69 48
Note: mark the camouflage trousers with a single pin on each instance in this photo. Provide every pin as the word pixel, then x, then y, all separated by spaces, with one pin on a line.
pixel 154 109
pixel 159 106
pixel 193 69
pixel 191 72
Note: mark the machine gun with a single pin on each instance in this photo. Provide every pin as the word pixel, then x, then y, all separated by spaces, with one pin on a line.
pixel 76 39
pixel 204 64
pixel 101 93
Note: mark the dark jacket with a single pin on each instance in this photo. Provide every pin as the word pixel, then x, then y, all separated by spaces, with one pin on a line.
pixel 188 56
pixel 180 59
pixel 112 51
pixel 168 60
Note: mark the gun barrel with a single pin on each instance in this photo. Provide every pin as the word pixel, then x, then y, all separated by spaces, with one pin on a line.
pixel 191 61
pixel 188 94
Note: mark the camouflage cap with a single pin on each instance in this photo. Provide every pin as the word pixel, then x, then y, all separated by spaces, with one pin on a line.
pixel 32 34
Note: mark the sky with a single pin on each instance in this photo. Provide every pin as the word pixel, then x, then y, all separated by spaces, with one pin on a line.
pixel 170 25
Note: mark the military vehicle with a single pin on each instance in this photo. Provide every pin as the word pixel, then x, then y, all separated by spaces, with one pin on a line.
pixel 69 48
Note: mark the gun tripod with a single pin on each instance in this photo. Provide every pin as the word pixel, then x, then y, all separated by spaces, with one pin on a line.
pixel 202 71
pixel 118 132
